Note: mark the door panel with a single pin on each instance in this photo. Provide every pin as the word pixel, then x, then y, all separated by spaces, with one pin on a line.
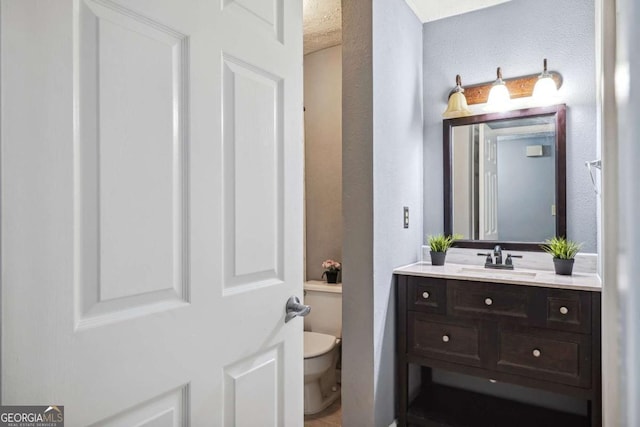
pixel 167 410
pixel 489 185
pixel 252 100
pixel 132 99
pixel 265 15
pixel 259 375
pixel 152 210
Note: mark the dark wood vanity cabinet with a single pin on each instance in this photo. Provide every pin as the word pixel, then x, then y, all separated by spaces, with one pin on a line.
pixel 537 337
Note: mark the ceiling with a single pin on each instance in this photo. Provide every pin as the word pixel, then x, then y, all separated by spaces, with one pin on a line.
pixel 431 10
pixel 323 18
pixel 322 24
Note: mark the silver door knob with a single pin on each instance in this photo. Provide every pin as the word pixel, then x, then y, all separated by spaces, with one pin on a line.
pixel 445 338
pixel 488 301
pixel 425 295
pixel 295 308
pixel 564 310
pixel 536 352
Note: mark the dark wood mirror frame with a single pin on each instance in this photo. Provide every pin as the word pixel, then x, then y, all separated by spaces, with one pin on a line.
pixel 559 112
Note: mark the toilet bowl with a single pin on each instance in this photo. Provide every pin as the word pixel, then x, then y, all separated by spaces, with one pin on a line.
pixel 320 383
pixel 323 330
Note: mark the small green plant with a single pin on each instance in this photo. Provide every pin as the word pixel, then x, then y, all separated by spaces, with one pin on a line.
pixel 440 242
pixel 561 248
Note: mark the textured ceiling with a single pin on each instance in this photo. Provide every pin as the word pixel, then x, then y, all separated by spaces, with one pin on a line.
pixel 323 18
pixel 322 24
pixel 431 10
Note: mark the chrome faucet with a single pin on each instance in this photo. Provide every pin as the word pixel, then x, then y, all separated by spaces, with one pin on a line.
pixel 497 253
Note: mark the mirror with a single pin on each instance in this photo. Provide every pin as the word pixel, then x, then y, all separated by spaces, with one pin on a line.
pixel 504 178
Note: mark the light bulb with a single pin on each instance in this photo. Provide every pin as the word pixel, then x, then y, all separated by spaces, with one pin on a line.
pixel 545 92
pixel 499 98
pixel 457 106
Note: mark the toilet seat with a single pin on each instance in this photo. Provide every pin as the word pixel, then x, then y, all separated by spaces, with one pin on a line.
pixel 317 344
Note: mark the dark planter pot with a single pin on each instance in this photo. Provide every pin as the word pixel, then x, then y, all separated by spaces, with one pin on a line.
pixel 437 258
pixel 332 276
pixel 563 266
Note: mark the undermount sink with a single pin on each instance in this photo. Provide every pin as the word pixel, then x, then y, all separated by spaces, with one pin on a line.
pixel 496 272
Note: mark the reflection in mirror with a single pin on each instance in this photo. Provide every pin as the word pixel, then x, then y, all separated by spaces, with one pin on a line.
pixel 504 180
pixel 504 176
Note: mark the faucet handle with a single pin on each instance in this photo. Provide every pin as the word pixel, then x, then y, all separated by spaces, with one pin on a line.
pixel 488 260
pixel 509 260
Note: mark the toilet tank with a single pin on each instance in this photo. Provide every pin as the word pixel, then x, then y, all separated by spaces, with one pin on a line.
pixel 326 307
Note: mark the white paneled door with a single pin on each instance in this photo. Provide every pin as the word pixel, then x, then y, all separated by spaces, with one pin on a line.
pixel 488 172
pixel 151 210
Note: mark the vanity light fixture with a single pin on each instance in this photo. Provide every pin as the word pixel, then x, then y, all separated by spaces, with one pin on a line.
pixel 499 95
pixel 545 92
pixel 518 87
pixel 457 106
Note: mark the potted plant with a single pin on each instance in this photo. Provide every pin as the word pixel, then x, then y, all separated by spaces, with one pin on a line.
pixel 439 245
pixel 331 270
pixel 564 252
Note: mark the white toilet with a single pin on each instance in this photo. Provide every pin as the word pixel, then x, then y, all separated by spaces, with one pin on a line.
pixel 323 329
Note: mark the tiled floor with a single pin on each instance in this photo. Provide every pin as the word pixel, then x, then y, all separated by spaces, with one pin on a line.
pixel 330 417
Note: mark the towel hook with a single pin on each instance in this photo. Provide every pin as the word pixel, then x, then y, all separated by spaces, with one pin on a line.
pixel 590 165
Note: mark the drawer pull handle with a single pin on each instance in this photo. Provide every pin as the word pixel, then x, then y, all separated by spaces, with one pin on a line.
pixel 564 310
pixel 536 352
pixel 488 301
pixel 425 295
pixel 445 338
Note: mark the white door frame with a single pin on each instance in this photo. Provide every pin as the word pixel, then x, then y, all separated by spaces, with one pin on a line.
pixel 622 246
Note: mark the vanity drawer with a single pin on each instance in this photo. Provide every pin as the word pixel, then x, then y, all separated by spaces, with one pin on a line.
pixel 558 357
pixel 569 310
pixel 427 295
pixel 489 300
pixel 445 339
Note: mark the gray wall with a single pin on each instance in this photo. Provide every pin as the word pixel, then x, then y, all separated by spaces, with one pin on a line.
pixel 382 172
pixel 397 174
pixel 357 206
pixel 323 159
pixel 516 36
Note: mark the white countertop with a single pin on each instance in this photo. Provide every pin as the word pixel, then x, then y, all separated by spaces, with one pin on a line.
pixel 518 276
